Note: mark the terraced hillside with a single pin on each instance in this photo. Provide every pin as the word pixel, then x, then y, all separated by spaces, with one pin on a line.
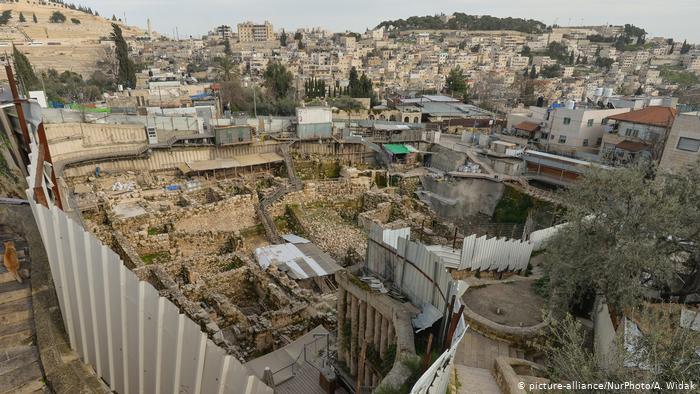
pixel 63 46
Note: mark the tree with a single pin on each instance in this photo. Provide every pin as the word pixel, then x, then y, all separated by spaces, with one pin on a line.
pixel 5 17
pixel 114 18
pixel 277 79
pixel 604 62
pixel 22 18
pixel 25 71
pixel 666 352
pixel 685 48
pixel 225 67
pixel 533 72
pixel 572 58
pixel 283 38
pixel 75 21
pixel 526 51
pixel 127 72
pixel 34 18
pixel 57 17
pixel 354 83
pixel 227 46
pixel 298 36
pixel 553 71
pixel 454 83
pixel 630 232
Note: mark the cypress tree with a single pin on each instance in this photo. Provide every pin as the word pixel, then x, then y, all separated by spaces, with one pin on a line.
pixel 34 18
pixel 22 18
pixel 24 70
pixel 127 74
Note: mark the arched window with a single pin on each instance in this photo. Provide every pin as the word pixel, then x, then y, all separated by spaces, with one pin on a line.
pixel 382 117
pixel 371 117
pixel 405 119
pixel 415 120
pixel 392 118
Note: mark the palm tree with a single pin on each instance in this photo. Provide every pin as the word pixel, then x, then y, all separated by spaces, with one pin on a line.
pixel 226 67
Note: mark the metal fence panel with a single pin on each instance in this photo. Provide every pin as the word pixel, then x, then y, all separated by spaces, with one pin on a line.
pixel 137 341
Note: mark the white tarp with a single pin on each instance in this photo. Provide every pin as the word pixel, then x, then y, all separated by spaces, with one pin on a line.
pixel 289 258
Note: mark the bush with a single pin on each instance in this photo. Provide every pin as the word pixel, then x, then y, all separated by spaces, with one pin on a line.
pixel 57 17
pixel 5 17
pixel 75 21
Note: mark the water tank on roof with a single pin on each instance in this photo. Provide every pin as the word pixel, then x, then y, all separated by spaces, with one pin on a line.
pixel 598 92
pixel 570 104
pixel 607 92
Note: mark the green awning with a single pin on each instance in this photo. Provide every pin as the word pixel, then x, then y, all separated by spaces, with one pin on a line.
pixel 399 149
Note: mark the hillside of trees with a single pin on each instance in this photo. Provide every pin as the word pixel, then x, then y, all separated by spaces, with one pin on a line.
pixel 462 21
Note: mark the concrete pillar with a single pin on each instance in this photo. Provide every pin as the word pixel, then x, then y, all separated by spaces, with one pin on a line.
pixel 369 337
pixel 353 335
pixel 383 337
pixel 342 296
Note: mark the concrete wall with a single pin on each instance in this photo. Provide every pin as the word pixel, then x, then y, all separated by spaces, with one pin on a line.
pixel 69 141
pixel 463 197
pixel 604 332
pixel 165 159
pixel 445 159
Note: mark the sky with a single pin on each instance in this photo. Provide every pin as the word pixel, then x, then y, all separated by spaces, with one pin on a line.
pixel 677 19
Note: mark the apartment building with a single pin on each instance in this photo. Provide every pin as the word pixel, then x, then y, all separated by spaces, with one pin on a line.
pixel 683 143
pixel 573 129
pixel 632 133
pixel 253 32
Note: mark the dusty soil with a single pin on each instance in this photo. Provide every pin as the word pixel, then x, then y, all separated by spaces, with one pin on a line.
pixel 517 302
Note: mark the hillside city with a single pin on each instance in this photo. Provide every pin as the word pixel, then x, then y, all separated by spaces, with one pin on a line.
pixel 448 203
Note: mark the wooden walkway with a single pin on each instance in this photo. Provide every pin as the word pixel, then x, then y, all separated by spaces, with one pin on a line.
pixel 20 367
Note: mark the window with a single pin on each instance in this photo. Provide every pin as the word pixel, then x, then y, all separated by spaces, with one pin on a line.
pixel 562 139
pixel 590 122
pixel 632 132
pixel 688 144
pixel 551 137
pixel 567 120
pixel 599 141
pixel 585 142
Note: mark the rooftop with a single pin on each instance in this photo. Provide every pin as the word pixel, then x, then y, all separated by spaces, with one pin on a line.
pixel 654 116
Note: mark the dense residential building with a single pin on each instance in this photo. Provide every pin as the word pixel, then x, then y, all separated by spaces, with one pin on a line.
pixel 254 32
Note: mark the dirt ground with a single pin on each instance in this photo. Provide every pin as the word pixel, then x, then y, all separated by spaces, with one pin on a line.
pixel 517 302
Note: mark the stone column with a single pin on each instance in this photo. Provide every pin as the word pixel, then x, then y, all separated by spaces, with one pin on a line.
pixel 348 314
pixel 353 335
pixel 361 332
pixel 377 329
pixel 342 294
pixel 392 334
pixel 369 337
pixel 383 338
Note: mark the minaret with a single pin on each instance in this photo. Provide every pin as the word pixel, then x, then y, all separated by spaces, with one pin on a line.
pixel 148 26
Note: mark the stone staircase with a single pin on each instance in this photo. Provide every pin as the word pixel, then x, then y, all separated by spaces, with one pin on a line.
pixel 296 184
pixel 20 367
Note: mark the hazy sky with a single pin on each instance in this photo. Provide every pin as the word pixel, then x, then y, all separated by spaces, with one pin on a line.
pixel 670 18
